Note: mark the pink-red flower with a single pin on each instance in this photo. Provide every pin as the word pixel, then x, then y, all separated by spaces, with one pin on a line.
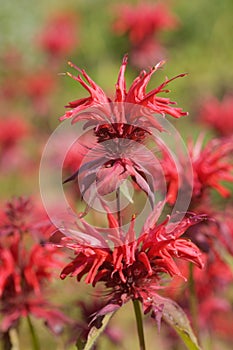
pixel 142 24
pixel 218 114
pixel 23 271
pixel 143 20
pixel 39 89
pixel 109 164
pixel 211 165
pixel 20 216
pixel 25 268
pixel 120 125
pixel 135 95
pixel 59 37
pixel 130 267
pixel 12 130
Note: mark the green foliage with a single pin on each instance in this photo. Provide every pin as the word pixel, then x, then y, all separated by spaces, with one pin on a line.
pixel 176 318
pixel 93 334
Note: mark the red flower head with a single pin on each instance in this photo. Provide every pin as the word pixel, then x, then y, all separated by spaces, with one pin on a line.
pixel 136 95
pixel 218 115
pixel 142 24
pixel 211 165
pixel 20 216
pixel 143 21
pixel 39 89
pixel 24 270
pixel 59 36
pixel 12 130
pixel 132 268
pixel 120 126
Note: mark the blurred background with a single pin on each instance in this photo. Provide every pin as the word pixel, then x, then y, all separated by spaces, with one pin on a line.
pixel 37 39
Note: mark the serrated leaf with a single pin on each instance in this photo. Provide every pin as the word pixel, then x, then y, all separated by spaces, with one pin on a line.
pixel 93 334
pixel 177 319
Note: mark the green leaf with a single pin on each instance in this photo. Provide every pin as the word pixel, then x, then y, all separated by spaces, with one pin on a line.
pixel 93 334
pixel 177 319
pixel 124 189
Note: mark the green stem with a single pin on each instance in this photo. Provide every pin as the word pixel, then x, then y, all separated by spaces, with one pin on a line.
pixel 119 218
pixel 193 300
pixel 35 341
pixel 138 315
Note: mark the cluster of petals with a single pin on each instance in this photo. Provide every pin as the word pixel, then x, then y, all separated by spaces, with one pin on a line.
pixel 108 165
pixel 211 165
pixel 12 130
pixel 21 216
pixel 218 114
pixel 132 268
pixel 143 21
pixel 23 278
pixel 25 268
pixel 125 118
pixel 23 271
pixel 59 35
pixel 142 24
pixel 39 89
pixel 136 95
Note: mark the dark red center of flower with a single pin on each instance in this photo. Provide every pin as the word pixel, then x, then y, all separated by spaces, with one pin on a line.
pixel 105 132
pixel 133 276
